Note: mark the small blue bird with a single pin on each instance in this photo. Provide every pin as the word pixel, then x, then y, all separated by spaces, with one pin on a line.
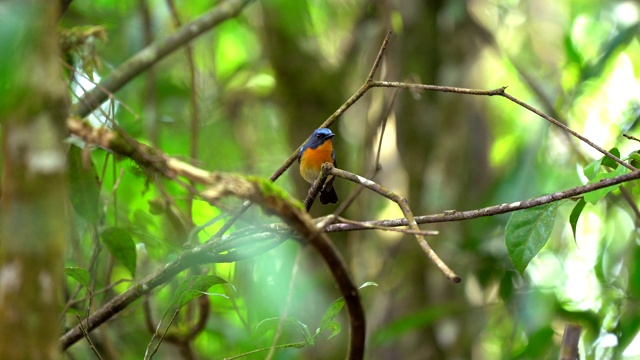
pixel 317 151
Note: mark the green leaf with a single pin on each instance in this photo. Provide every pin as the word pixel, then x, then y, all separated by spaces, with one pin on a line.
pixel 196 286
pixel 121 246
pixel 593 196
pixel 335 328
pixel 84 186
pixel 592 169
pixel 528 231
pixel 607 161
pixel 575 216
pixel 269 324
pixel 634 158
pixel 327 322
pixel 78 274
pixel 367 284
pixel 329 316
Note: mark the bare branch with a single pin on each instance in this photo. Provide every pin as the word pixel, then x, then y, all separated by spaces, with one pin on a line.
pixel 453 215
pixel 570 340
pixel 567 129
pixel 378 60
pixel 500 92
pixel 438 88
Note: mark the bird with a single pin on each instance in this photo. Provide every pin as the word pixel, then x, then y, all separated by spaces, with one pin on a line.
pixel 315 152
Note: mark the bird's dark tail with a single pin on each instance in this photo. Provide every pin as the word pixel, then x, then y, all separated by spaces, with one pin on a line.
pixel 328 196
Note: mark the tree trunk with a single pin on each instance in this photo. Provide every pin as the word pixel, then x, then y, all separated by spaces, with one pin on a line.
pixel 33 218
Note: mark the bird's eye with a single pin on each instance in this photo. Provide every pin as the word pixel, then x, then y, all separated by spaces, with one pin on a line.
pixel 318 136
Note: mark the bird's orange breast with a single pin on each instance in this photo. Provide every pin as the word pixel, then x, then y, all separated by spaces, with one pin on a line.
pixel 312 159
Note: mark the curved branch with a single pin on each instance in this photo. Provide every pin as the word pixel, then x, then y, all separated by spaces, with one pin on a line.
pixel 403 204
pixel 153 53
pixel 259 192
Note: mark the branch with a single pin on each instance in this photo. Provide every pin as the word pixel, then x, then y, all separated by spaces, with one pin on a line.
pixel 570 340
pixel 500 92
pixel 153 53
pixel 224 251
pixel 438 88
pixel 453 215
pixel 316 187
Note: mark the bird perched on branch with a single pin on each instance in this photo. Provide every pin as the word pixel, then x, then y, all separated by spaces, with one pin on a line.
pixel 317 151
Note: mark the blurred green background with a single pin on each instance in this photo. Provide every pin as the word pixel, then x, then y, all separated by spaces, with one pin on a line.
pixel 266 79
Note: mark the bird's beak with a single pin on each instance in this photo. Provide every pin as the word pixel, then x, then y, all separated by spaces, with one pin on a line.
pixel 329 136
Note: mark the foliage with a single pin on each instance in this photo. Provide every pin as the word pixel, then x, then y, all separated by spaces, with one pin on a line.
pixel 267 78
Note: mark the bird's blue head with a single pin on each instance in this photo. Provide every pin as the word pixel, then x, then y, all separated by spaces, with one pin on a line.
pixel 318 138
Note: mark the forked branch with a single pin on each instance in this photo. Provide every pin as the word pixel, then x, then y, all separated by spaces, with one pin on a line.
pixel 403 204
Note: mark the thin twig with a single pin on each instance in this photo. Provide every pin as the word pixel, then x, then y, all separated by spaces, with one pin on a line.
pixel 86 335
pixel 376 164
pixel 378 60
pixel 187 259
pixel 567 129
pixel 438 88
pixel 386 228
pixel 164 333
pixel 631 137
pixel 70 302
pixel 296 345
